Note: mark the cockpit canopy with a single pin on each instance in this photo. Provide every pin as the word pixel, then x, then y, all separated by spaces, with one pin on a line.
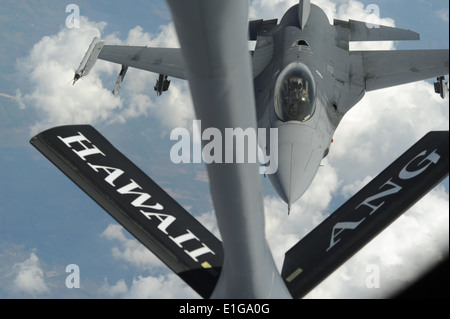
pixel 295 93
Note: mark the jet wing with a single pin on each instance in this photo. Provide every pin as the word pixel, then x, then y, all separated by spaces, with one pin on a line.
pixel 256 26
pixel 382 69
pixel 168 61
pixel 361 31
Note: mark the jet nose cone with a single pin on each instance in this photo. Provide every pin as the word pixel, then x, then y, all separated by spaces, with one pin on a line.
pixel 289 180
pixel 298 161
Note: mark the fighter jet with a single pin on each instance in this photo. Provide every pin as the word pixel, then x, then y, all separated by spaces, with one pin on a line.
pixel 301 78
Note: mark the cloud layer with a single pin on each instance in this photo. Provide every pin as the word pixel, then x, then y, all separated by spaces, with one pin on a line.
pixel 29 277
pixel 131 252
pixel 48 71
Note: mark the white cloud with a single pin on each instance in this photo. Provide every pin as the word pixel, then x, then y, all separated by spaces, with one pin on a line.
pixel 442 14
pixel 118 289
pixel 269 9
pixel 166 38
pixel 130 250
pixel 170 286
pixel 384 125
pixel 152 287
pixel 208 220
pixel 30 278
pixel 48 69
pixel 402 252
pixel 176 109
pixel 351 189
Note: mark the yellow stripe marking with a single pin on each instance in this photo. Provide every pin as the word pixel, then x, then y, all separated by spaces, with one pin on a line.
pixel 294 275
pixel 206 265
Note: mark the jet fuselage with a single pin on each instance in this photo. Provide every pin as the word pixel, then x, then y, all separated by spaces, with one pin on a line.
pixel 297 94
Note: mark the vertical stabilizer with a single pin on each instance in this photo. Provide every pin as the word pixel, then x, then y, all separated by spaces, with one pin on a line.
pixel 304 8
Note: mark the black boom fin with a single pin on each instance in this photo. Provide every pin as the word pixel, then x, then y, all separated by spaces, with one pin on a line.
pixel 136 202
pixel 367 213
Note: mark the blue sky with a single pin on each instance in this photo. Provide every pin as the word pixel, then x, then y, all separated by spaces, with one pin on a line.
pixel 47 223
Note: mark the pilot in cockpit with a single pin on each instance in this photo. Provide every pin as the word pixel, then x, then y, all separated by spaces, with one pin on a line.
pixel 294 94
